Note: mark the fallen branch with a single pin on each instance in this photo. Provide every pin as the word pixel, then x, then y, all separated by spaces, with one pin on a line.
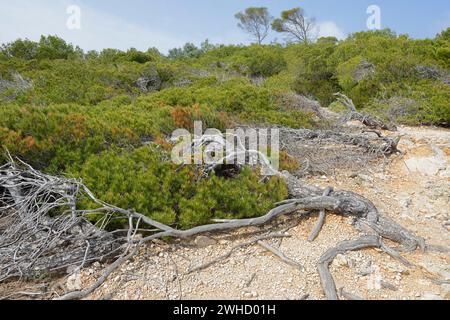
pixel 377 146
pixel 349 296
pixel 281 255
pixel 328 285
pixel 321 222
pixel 230 252
pixel 33 240
pixel 367 120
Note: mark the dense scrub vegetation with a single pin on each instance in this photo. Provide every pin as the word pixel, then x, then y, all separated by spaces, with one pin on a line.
pixel 93 115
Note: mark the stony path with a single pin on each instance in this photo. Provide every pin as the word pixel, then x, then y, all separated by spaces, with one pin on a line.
pixel 414 190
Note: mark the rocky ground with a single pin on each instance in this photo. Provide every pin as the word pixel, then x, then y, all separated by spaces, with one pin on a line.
pixel 413 189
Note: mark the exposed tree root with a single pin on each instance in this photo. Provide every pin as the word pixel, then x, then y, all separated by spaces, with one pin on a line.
pixel 78 295
pixel 230 252
pixel 31 240
pixel 321 222
pixel 328 285
pixel 281 255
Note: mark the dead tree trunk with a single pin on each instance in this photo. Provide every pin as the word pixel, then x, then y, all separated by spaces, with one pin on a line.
pixel 32 240
pixel 367 120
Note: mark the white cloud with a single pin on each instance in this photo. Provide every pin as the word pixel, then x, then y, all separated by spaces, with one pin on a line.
pixel 330 29
pixel 30 19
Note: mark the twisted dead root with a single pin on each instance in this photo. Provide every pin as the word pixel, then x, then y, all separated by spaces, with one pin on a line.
pixel 32 240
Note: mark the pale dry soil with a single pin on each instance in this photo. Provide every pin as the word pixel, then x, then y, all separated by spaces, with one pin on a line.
pixel 413 189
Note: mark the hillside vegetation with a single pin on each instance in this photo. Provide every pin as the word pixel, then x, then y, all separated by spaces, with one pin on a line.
pixel 105 116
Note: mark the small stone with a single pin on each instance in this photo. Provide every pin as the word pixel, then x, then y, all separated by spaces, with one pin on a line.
pixel 405 203
pixel 203 242
pixel 366 178
pixel 341 261
pixel 397 268
pixel 73 282
pixel 387 285
pixel 72 269
pixel 431 296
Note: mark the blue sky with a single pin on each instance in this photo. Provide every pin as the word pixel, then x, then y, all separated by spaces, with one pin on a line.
pixel 169 23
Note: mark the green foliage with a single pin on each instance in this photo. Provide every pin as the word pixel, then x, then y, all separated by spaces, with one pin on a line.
pixel 295 24
pixel 242 197
pixel 237 97
pixel 144 181
pixel 63 110
pixel 21 49
pixel 346 73
pixel 425 103
pixel 260 61
pixel 56 136
pixel 314 74
pixel 232 96
pixel 50 47
pixel 444 35
pixel 255 21
pixel 190 51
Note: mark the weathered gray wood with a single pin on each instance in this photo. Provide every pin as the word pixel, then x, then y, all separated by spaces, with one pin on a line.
pixel 321 221
pixel 367 120
pixel 328 284
pixel 57 242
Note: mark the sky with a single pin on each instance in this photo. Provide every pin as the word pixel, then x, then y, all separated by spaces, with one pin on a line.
pixel 166 24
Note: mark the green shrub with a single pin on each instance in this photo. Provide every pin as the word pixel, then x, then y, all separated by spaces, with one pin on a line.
pixel 84 114
pixel 426 103
pixel 242 197
pixel 346 73
pixel 238 98
pixel 313 72
pixel 64 135
pixel 143 180
pixel 232 96
pixel 260 61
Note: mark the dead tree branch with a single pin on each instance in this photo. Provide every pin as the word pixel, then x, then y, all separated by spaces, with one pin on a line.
pixel 367 120
pixel 321 222
pixel 280 255
pixel 230 252
pixel 45 230
pixel 328 285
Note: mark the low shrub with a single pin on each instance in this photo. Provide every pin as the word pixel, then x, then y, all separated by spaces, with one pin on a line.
pixel 143 180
